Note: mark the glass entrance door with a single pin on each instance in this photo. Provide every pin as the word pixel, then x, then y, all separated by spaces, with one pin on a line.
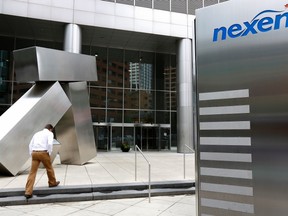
pixel 164 138
pixel 147 137
pixel 101 134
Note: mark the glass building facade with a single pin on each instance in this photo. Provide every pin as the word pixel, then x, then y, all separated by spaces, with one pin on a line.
pixel 132 101
pixel 135 97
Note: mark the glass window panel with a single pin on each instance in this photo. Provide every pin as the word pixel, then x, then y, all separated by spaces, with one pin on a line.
pixel 5 98
pixel 129 136
pixel 165 138
pixel 147 117
pixel 167 78
pixel 114 116
pixel 98 115
pixel 97 97
pixel 174 129
pixel 115 98
pixel 146 99
pixel 131 116
pixel 173 80
pixel 167 96
pixel 5 84
pixel 4 65
pixel 173 84
pixel 173 101
pixel 131 99
pixel 5 92
pixel 116 137
pixel 101 61
pixel 163 71
pixel 145 71
pixel 115 68
pixel 162 117
pixel 101 134
pixel 161 100
pixel 131 76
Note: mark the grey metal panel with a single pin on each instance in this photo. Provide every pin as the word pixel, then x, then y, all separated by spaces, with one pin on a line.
pixel 130 2
pixel 42 104
pixel 140 3
pixel 43 64
pixel 179 6
pixel 162 4
pixel 75 130
pixel 242 61
pixel 193 5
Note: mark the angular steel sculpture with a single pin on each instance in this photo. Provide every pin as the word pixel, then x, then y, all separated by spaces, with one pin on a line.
pixel 74 130
pixel 47 102
pixel 41 104
pixel 42 64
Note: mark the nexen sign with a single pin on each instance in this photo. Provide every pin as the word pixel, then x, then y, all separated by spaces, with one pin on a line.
pixel 255 26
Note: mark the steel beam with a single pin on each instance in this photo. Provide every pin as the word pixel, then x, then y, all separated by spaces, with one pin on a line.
pixel 42 104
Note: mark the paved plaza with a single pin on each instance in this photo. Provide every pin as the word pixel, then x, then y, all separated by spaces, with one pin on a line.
pixel 111 168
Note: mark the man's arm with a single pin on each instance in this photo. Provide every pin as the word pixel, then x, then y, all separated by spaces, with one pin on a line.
pixel 50 143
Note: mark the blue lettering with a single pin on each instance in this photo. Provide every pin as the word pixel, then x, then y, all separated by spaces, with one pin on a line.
pixel 216 32
pixel 250 28
pixel 278 20
pixel 235 30
pixel 265 24
pixel 255 26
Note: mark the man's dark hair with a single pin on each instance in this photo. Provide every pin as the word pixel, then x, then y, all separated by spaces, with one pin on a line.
pixel 49 127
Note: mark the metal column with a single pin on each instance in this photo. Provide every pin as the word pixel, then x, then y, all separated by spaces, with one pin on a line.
pixel 184 95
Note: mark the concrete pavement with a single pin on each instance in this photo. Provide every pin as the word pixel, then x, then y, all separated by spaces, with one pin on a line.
pixel 111 168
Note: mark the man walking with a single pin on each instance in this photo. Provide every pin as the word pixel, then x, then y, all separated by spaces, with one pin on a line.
pixel 40 148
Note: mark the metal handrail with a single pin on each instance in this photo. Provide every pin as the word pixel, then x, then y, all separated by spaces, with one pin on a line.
pixel 185 159
pixel 149 170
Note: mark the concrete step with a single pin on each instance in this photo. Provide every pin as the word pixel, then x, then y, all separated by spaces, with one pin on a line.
pixel 95 192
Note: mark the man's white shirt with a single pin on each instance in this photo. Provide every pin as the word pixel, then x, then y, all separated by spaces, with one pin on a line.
pixel 41 141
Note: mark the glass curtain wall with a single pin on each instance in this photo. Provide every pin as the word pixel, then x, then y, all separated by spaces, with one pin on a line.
pixel 135 94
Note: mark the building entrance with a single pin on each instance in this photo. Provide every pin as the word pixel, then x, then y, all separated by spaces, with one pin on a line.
pixel 152 137
pixel 148 137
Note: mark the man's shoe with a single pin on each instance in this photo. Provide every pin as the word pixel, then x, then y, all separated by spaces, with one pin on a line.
pixel 28 196
pixel 57 183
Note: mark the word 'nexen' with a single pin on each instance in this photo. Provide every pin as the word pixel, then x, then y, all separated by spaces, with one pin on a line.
pixel 255 26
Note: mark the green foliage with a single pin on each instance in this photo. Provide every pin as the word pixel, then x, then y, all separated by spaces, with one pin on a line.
pixel 125 147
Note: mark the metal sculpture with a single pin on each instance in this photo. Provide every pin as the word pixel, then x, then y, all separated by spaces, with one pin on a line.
pixel 41 104
pixel 49 101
